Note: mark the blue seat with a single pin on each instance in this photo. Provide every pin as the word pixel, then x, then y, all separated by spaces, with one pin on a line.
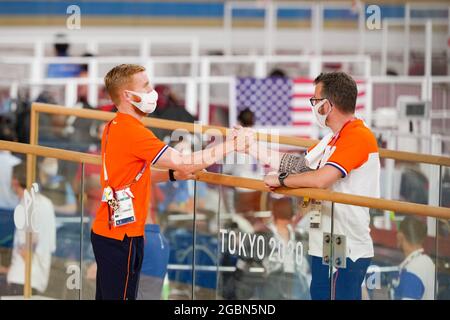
pixel 181 252
pixel 7 227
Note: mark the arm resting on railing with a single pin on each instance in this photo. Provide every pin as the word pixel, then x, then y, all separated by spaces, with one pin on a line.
pixel 282 162
pixel 322 178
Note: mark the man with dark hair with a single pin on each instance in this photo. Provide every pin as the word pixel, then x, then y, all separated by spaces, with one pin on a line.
pixel 339 88
pixel 416 275
pixel 346 160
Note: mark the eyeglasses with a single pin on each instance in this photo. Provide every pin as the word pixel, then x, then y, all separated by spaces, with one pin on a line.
pixel 314 101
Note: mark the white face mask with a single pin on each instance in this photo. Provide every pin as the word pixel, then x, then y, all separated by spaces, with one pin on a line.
pixel 321 118
pixel 148 101
pixel 50 167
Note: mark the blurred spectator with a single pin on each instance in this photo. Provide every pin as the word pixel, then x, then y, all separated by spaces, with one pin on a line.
pixel 178 196
pixel 417 272
pixel 62 70
pixel 22 123
pixel 246 118
pixel 8 199
pixel 82 132
pixel 154 265
pixel 414 185
pixel 84 68
pixel 417 64
pixel 83 88
pixel 242 165
pixel 7 131
pixel 92 187
pixel 169 108
pixel 286 279
pixel 56 187
pixel 44 242
pixel 6 103
pixel 51 126
pixel 391 72
pixel 276 72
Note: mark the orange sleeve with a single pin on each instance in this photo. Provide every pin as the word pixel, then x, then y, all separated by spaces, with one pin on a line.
pixel 310 148
pixel 147 146
pixel 351 152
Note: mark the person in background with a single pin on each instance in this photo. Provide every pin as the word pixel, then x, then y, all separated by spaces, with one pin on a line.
pixel 246 118
pixel 277 72
pixel 56 187
pixel 286 279
pixel 44 241
pixel 242 165
pixel 169 107
pixel 62 70
pixel 82 132
pixel 51 126
pixel 177 197
pixel 154 265
pixel 8 199
pixel 417 272
pixel 92 187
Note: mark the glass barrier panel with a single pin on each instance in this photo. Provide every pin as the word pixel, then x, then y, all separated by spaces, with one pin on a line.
pixel 404 248
pixel 443 240
pixel 58 181
pixel 263 247
pixel 262 239
pixel 9 200
pixel 92 194
pixel 404 262
pixel 51 213
pixel 69 132
pixel 207 204
pixel 173 210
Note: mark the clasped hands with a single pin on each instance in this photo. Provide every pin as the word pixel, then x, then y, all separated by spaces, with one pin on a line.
pixel 245 139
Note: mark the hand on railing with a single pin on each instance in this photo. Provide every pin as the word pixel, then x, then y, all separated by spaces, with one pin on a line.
pixel 271 180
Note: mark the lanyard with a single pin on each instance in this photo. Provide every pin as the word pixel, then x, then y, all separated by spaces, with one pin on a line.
pixel 410 258
pixel 334 139
pixel 138 176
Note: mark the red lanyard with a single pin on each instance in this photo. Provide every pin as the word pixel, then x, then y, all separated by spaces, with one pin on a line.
pixel 334 139
pixel 336 136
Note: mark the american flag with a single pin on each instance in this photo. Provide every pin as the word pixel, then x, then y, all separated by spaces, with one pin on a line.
pixel 282 102
pixel 268 98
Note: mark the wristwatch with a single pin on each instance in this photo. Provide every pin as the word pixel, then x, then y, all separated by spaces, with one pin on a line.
pixel 281 178
pixel 171 175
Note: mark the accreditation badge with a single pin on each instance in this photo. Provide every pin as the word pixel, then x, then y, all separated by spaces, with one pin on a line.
pixel 125 211
pixel 313 207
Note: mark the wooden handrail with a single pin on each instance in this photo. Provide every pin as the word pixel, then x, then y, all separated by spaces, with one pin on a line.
pixel 41 151
pixel 226 180
pixel 191 127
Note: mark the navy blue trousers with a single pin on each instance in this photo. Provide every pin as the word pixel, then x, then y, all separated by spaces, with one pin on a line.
pixel 347 281
pixel 118 266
